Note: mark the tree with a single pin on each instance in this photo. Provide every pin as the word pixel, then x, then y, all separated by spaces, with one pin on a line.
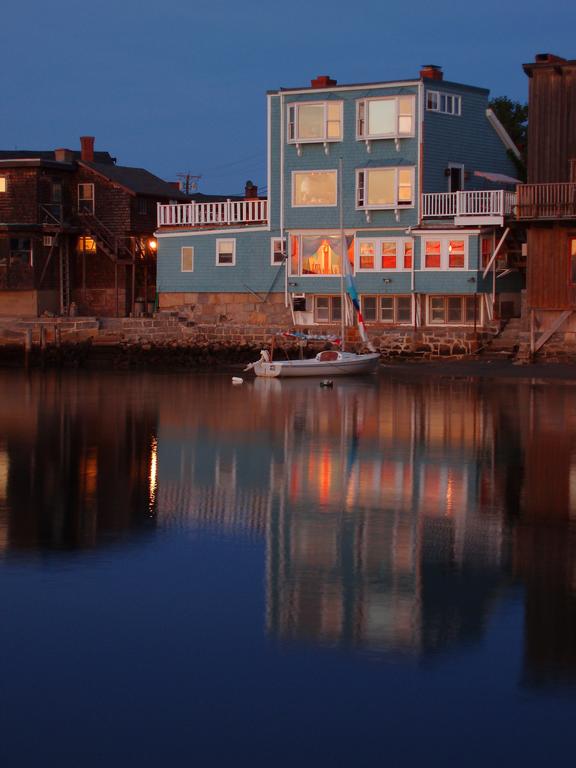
pixel 514 117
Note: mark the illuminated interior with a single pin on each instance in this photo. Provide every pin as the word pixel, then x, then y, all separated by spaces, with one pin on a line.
pixel 318 255
pixel 86 245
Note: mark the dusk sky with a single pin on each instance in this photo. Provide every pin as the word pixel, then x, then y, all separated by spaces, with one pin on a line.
pixel 180 86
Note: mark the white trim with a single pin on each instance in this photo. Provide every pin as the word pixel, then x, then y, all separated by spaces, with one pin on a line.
pixel 325 139
pixel 269 156
pixel 357 87
pixel 314 205
pixel 377 241
pixel 439 93
pixel 445 296
pixel 186 248
pixel 397 205
pixel 444 255
pixel 502 133
pixel 159 234
pixel 226 240
pixel 441 232
pixel 282 241
pixel 366 136
pixel 394 297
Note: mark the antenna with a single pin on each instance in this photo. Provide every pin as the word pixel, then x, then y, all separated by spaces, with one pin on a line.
pixel 188 181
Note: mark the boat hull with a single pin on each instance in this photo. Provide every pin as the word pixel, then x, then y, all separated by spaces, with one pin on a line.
pixel 352 365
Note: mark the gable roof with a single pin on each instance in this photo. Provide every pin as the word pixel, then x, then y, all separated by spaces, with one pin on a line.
pixel 138 181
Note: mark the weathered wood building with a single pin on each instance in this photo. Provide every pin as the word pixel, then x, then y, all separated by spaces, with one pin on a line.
pixel 547 203
pixel 76 231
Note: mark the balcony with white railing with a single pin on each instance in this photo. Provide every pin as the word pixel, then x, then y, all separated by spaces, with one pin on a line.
pixel 223 213
pixel 470 207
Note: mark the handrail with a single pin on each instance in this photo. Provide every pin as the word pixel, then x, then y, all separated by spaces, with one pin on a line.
pixel 473 202
pixel 220 213
pixel 547 201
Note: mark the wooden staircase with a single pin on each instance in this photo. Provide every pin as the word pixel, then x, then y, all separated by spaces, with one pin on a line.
pixel 106 241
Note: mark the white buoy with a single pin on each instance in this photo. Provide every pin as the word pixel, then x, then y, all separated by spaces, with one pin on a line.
pixel 237 380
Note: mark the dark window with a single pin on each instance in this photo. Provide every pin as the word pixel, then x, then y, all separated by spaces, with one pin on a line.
pixel 142 206
pixel 572 244
pixel 20 251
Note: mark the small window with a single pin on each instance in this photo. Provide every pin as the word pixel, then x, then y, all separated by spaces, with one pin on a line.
pixel 86 198
pixel 485 250
pixel 225 253
pixel 366 254
pixel 369 309
pixel 389 254
pixel 456 254
pixel 314 188
pixel 277 248
pixel 446 103
pixel 187 259
pixel 327 309
pixel 383 254
pixel 142 206
pixel 21 251
pixel 86 244
pixel 56 192
pixel 3 184
pixel 408 254
pixel 318 121
pixel 432 254
pixel 390 117
pixel 445 253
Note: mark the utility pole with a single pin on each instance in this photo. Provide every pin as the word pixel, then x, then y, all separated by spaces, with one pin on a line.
pixel 188 181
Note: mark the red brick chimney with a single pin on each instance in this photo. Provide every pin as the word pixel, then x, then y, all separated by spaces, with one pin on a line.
pixel 431 72
pixel 87 148
pixel 322 81
pixel 63 155
pixel 250 191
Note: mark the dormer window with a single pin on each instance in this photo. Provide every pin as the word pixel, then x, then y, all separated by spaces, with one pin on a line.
pixel 445 103
pixel 391 117
pixel 320 121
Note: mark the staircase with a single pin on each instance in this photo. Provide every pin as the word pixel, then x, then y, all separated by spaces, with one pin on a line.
pixel 106 241
pixel 505 345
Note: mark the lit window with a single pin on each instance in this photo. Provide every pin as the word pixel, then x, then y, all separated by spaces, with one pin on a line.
pixel 445 253
pixel 381 188
pixel 394 254
pixel 453 310
pixel 187 259
pixel 572 243
pixel 387 309
pixel 408 254
pixel 320 121
pixel 386 118
pixel 311 188
pixel 225 253
pixel 319 254
pixel 446 103
pixel 86 245
pixel 389 254
pixel 485 250
pixel 277 246
pixel 86 198
pixel 2 183
pixel 327 309
pixel 366 254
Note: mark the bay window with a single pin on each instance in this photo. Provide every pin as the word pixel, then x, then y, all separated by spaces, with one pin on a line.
pixel 390 117
pixel 382 254
pixel 445 253
pixel 381 188
pixel 319 121
pixel 314 188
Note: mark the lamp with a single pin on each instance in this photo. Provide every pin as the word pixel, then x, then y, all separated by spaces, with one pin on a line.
pixel 387 280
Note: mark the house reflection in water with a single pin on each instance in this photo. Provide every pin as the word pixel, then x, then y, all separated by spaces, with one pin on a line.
pixel 76 460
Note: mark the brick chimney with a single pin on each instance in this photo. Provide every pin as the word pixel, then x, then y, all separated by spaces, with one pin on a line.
pixel 87 148
pixel 322 81
pixel 431 72
pixel 63 155
pixel 250 191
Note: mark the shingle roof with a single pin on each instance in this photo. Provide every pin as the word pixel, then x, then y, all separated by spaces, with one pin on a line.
pixel 48 154
pixel 137 180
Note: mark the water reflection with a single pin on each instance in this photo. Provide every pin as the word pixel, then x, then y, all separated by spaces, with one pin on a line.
pixel 75 461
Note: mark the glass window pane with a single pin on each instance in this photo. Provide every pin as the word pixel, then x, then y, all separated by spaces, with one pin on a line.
pixel 471 315
pixel 408 255
pixel 433 253
pixel 310 121
pixel 320 255
pixel 486 250
pixel 456 254
pixel 387 309
pixel 322 308
pixel 405 111
pixel 369 308
pixel 382 117
pixel 294 251
pixel 366 255
pixel 455 309
pixel 336 308
pixel 404 309
pixel 405 185
pixel 381 185
pixel 315 188
pixel 187 264
pixel 573 260
pixel 389 255
pixel 436 309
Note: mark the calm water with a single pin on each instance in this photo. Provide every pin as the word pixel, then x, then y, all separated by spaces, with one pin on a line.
pixel 195 574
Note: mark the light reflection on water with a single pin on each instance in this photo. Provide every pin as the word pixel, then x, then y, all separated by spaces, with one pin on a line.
pixel 386 517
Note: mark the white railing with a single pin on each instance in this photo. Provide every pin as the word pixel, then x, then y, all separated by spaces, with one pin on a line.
pixel 547 201
pixel 218 214
pixel 473 203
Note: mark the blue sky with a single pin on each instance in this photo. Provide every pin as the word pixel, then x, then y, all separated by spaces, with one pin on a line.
pixel 180 86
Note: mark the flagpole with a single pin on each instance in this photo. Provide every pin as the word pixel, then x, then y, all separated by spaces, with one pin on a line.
pixel 342 256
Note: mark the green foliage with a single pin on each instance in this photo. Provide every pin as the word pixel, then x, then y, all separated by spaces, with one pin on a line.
pixel 514 117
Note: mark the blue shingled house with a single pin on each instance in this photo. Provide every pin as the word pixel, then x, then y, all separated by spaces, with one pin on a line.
pixel 419 176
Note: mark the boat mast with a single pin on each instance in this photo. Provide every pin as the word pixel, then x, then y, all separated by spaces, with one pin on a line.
pixel 342 256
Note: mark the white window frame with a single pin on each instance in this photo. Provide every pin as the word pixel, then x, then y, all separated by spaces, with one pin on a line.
pixel 400 244
pixel 331 299
pixel 274 249
pixel 362 133
pixel 315 205
pixel 452 103
pixel 3 184
pixel 186 248
pixel 292 122
pixel 220 240
pixel 86 199
pixel 393 206
pixel 445 297
pixel 444 254
pixel 395 298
